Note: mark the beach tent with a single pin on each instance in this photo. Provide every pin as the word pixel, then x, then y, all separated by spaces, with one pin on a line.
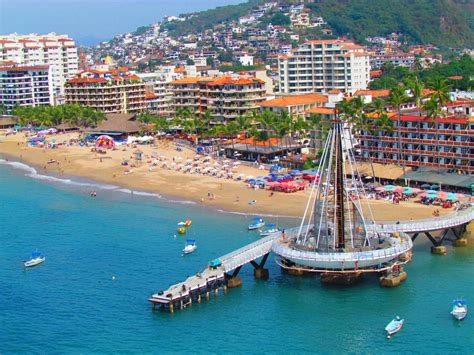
pixel 105 142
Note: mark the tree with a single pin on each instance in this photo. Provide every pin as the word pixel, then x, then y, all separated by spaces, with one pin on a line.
pixel 280 19
pixel 440 90
pixel 416 87
pixel 397 98
pixel 433 111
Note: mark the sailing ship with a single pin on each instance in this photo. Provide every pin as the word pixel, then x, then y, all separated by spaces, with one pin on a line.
pixel 335 236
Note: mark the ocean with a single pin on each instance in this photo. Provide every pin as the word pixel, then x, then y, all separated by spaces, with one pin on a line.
pixel 92 21
pixel 106 255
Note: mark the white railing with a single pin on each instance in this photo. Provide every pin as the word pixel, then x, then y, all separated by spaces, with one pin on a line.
pixel 248 253
pixel 292 254
pixel 431 224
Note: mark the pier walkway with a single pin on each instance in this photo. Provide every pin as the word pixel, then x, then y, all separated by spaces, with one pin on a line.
pixel 458 218
pixel 191 290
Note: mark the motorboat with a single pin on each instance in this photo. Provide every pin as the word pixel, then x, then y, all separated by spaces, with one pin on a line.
pixel 258 222
pixel 271 228
pixel 181 230
pixel 459 310
pixel 394 326
pixel 190 246
pixel 36 259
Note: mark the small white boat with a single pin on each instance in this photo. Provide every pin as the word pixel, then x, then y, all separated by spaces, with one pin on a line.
pixel 459 310
pixel 258 223
pixel 271 228
pixel 190 246
pixel 394 326
pixel 181 223
pixel 36 259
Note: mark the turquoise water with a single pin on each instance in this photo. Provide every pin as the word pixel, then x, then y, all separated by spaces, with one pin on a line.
pixel 71 304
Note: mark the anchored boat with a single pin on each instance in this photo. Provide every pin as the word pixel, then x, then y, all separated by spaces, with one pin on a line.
pixel 459 310
pixel 190 246
pixel 36 259
pixel 258 222
pixel 394 326
pixel 271 228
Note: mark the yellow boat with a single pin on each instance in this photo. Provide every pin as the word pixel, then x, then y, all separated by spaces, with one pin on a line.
pixel 181 230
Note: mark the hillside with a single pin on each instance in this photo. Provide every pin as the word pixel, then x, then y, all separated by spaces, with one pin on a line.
pixel 446 23
pixel 442 22
pixel 207 19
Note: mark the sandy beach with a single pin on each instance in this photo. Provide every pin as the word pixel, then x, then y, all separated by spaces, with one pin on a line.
pixel 226 194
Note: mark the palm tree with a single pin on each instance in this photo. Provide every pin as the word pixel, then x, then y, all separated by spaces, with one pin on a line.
pixel 378 107
pixel 206 119
pixel 397 98
pixel 416 88
pixel 440 90
pixel 433 111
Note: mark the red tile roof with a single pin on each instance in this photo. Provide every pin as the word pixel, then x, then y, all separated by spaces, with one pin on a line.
pixel 86 80
pixel 294 100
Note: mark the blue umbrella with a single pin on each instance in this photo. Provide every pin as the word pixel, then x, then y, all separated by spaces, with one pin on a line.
pixel 434 187
pixel 452 198
pixel 431 192
pixel 432 196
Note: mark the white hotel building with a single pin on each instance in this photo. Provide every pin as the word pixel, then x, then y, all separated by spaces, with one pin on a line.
pixel 25 86
pixel 324 65
pixel 57 51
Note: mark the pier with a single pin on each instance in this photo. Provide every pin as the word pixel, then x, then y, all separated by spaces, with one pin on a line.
pixel 222 273
pixel 218 275
pixel 456 222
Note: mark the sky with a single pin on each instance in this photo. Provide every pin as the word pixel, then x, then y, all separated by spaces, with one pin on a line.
pixel 92 21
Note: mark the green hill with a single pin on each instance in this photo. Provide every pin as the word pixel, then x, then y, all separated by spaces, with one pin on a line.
pixel 446 23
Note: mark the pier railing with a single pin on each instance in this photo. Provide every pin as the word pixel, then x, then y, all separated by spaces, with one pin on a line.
pixel 248 253
pixel 457 218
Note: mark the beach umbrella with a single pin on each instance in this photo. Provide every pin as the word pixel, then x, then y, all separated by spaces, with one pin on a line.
pixel 426 186
pixel 389 188
pixel 398 189
pixel 381 188
pixel 408 192
pixel 432 196
pixel 423 194
pixel 431 192
pixel 415 190
pixel 434 187
pixel 452 198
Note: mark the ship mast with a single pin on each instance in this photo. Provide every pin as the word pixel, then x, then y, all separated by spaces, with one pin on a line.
pixel 339 187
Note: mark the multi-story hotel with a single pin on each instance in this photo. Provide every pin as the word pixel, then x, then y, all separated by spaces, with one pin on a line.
pixel 112 91
pixel 225 97
pixel 447 143
pixel 323 65
pixel 57 51
pixel 24 85
pixel 397 59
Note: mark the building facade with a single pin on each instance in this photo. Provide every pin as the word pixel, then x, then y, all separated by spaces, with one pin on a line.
pixel 111 91
pixel 295 105
pixel 25 86
pixel 324 65
pixel 397 59
pixel 225 97
pixel 57 51
pixel 447 143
